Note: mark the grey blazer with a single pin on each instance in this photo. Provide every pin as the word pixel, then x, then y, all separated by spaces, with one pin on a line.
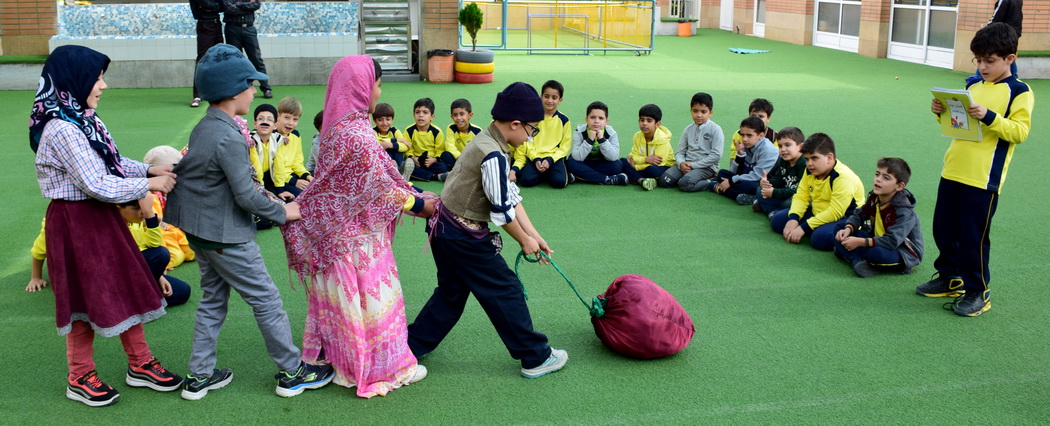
pixel 214 196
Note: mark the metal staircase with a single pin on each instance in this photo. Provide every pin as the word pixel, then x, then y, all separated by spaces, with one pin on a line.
pixel 386 33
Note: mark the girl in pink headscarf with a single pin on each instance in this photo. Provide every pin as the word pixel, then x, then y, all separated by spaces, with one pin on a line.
pixel 356 318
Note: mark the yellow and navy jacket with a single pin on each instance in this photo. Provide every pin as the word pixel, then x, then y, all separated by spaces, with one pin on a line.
pixel 281 156
pixel 430 141
pixel 554 141
pixel 660 145
pixel 829 199
pixel 455 140
pixel 984 164
pixel 391 134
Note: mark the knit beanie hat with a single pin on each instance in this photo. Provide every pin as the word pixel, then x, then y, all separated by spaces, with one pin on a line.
pixel 519 101
pixel 224 72
pixel 264 107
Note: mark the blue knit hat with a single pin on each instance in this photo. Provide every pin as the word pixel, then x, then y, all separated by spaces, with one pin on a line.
pixel 224 72
pixel 519 101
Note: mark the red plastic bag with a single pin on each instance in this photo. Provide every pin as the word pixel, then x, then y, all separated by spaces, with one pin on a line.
pixel 642 320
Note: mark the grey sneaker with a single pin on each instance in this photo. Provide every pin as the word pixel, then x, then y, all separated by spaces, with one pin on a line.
pixel 553 363
pixel 196 387
pixel 864 269
pixel 745 199
pixel 617 179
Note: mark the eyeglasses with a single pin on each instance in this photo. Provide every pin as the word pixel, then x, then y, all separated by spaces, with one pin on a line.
pixel 535 130
pixel 987 61
pixel 266 120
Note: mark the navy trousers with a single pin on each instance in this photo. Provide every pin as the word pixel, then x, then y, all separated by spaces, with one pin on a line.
pixel 962 220
pixel 247 39
pixel 741 187
pixel 157 258
pixel 429 173
pixel 877 256
pixel 448 159
pixel 822 238
pixel 596 171
pixel 466 267
pixel 556 174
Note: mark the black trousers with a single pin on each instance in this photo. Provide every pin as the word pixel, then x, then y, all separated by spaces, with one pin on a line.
pixel 473 266
pixel 247 39
pixel 209 33
pixel 962 219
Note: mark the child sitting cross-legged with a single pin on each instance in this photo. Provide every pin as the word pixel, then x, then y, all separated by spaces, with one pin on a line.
pixel 595 154
pixel 651 152
pixel 777 187
pixel 884 233
pixel 755 158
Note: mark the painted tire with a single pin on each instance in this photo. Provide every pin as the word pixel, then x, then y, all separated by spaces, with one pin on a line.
pixel 469 68
pixel 473 78
pixel 481 56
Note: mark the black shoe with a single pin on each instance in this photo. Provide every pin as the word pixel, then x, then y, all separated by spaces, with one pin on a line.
pixel 970 304
pixel 90 390
pixel 154 376
pixel 268 94
pixel 939 286
pixel 307 376
pixel 196 387
pixel 862 267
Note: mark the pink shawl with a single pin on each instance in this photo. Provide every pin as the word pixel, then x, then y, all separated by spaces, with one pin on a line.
pixel 358 190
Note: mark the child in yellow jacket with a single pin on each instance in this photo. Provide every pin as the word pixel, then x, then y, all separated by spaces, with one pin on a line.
pixel 174 238
pixel 543 158
pixel 651 151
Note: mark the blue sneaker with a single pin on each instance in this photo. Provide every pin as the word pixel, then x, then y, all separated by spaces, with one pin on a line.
pixel 617 179
pixel 307 376
pixel 553 363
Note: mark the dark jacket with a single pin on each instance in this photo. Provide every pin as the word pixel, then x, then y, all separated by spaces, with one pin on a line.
pixel 206 9
pixel 903 232
pixel 240 11
pixel 1009 12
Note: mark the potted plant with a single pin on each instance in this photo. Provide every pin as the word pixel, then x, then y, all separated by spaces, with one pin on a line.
pixel 474 65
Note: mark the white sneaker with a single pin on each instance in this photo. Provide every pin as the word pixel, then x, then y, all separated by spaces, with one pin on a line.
pixel 553 363
pixel 421 373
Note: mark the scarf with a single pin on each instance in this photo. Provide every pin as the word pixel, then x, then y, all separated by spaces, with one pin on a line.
pixel 69 76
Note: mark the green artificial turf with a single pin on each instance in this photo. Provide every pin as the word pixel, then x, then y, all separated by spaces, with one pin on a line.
pixel 22 59
pixel 785 334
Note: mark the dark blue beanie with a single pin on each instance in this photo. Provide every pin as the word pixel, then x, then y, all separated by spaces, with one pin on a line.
pixel 519 101
pixel 224 72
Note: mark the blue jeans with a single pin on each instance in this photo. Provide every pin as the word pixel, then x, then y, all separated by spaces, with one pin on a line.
pixel 556 174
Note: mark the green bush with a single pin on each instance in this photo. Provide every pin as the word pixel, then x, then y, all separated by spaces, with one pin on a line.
pixel 470 17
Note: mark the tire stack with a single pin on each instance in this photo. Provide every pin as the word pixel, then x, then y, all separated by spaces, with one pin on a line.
pixel 474 67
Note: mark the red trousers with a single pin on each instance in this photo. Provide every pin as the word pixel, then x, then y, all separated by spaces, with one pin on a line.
pixel 79 348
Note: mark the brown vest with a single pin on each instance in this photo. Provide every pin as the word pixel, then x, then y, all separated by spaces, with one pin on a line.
pixel 463 193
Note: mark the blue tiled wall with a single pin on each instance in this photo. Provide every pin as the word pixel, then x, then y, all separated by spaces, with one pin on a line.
pixel 136 20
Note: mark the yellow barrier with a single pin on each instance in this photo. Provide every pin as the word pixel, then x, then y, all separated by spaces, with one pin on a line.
pixel 469 68
pixel 567 25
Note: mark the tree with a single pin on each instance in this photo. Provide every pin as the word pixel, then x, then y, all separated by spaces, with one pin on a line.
pixel 470 17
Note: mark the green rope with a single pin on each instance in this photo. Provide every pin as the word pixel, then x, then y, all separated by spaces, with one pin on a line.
pixel 597 305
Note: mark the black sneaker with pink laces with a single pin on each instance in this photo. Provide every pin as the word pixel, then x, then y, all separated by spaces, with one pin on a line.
pixel 90 390
pixel 154 376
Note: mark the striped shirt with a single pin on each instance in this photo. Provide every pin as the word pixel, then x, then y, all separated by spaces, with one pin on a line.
pixel 503 194
pixel 67 168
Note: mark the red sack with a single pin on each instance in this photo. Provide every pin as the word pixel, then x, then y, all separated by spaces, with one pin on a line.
pixel 642 320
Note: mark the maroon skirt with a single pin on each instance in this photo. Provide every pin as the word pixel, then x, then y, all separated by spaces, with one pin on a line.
pixel 96 270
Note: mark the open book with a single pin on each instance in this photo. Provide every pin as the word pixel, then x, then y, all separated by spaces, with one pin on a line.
pixel 955 121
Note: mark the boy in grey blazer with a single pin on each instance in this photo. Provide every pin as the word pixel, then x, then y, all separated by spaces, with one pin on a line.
pixel 213 204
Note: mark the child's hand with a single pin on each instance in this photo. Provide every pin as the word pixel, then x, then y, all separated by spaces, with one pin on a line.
pixel 429 161
pixel 164 170
pixel 310 178
pixel 542 165
pixel 685 167
pixel 654 160
pixel 937 107
pixel 161 183
pixel 146 206
pixel 977 111
pixel 530 246
pixel 789 231
pixel 286 196
pixel 291 212
pixel 512 176
pixel 165 286
pixel 738 147
pixel 722 186
pixel 851 243
pixel 416 161
pixel 405 143
pixel 842 234
pixel 385 143
pixel 301 184
pixel 36 284
pixel 767 191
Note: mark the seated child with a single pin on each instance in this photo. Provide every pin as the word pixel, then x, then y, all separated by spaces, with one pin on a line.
pixel 459 132
pixel 543 158
pixel 392 140
pixel 755 158
pixel 427 144
pixel 144 225
pixel 213 203
pixel 651 153
pixel 174 238
pixel 777 187
pixel 762 109
pixel 883 234
pixel 289 170
pixel 595 156
pixel 263 155
pixel 827 193
pixel 699 149
pixel 311 163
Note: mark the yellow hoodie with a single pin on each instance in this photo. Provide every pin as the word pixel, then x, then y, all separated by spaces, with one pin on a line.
pixel 660 145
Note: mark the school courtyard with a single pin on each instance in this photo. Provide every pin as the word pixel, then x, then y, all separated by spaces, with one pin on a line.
pixel 785 334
